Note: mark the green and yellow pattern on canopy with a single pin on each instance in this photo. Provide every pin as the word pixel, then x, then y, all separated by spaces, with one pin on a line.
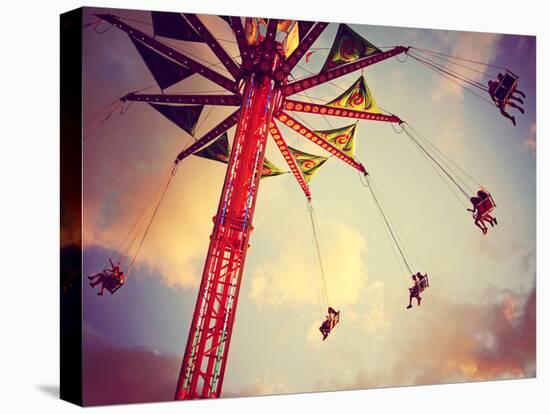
pixel 217 150
pixel 357 97
pixel 271 170
pixel 348 47
pixel 309 164
pixel 342 138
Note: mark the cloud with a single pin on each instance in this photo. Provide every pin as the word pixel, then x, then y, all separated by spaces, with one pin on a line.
pixel 120 375
pixel 502 249
pixel 460 342
pixel 283 281
pixel 493 341
pixel 530 140
pixel 471 45
pixel 268 383
pixel 377 320
pixel 313 335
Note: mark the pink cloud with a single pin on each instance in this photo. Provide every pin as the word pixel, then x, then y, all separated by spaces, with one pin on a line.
pixel 119 375
pixel 463 342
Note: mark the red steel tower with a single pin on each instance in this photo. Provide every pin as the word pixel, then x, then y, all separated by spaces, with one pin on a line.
pixel 207 347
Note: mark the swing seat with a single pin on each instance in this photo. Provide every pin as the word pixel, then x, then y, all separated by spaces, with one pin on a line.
pixel 485 206
pixel 506 88
pixel 111 283
pixel 334 320
pixel 423 284
pixel 420 287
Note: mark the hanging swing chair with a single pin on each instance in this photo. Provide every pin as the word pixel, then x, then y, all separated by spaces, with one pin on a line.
pixel 332 319
pixel 506 87
pixel 485 206
pixel 421 283
pixel 111 279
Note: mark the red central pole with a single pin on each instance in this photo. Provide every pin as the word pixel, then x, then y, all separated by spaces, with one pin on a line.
pixel 205 357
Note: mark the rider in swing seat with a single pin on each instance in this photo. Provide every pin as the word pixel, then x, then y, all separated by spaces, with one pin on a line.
pixel 492 87
pixel 110 279
pixel 329 322
pixel 481 212
pixel 478 218
pixel 414 291
pixel 483 195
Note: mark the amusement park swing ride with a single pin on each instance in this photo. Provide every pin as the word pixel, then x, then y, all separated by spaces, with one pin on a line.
pixel 261 87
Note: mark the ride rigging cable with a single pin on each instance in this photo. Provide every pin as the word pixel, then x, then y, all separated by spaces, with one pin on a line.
pixel 369 184
pixel 452 62
pixel 324 290
pixel 433 52
pixel 155 200
pixel 436 162
pixel 442 162
pixel 458 78
pixel 451 72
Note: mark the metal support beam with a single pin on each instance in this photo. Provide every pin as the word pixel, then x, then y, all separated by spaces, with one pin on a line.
pixel 209 136
pixel 327 76
pixel 218 100
pixel 313 108
pixel 301 50
pixel 171 53
pixel 283 147
pixel 269 47
pixel 214 45
pixel 318 140
pixel 246 55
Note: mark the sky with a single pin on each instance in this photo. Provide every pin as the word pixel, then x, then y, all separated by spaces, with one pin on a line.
pixel 477 320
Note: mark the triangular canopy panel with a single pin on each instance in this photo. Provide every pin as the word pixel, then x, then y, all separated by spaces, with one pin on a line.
pixel 303 28
pixel 165 71
pixel 217 150
pixel 357 97
pixel 185 117
pixel 309 164
pixel 342 138
pixel 271 170
pixel 348 46
pixel 227 19
pixel 174 26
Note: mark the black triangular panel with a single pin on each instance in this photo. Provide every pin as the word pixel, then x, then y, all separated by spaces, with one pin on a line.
pixel 165 71
pixel 174 26
pixel 185 117
pixel 227 19
pixel 217 150
pixel 303 28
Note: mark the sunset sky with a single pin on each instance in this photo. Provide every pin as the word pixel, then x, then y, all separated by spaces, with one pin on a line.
pixel 476 322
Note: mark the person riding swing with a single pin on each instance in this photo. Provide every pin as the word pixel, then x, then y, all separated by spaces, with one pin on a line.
pixel 486 216
pixel 482 207
pixel 111 279
pixel 331 320
pixel 414 291
pixel 493 86
pixel 478 219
